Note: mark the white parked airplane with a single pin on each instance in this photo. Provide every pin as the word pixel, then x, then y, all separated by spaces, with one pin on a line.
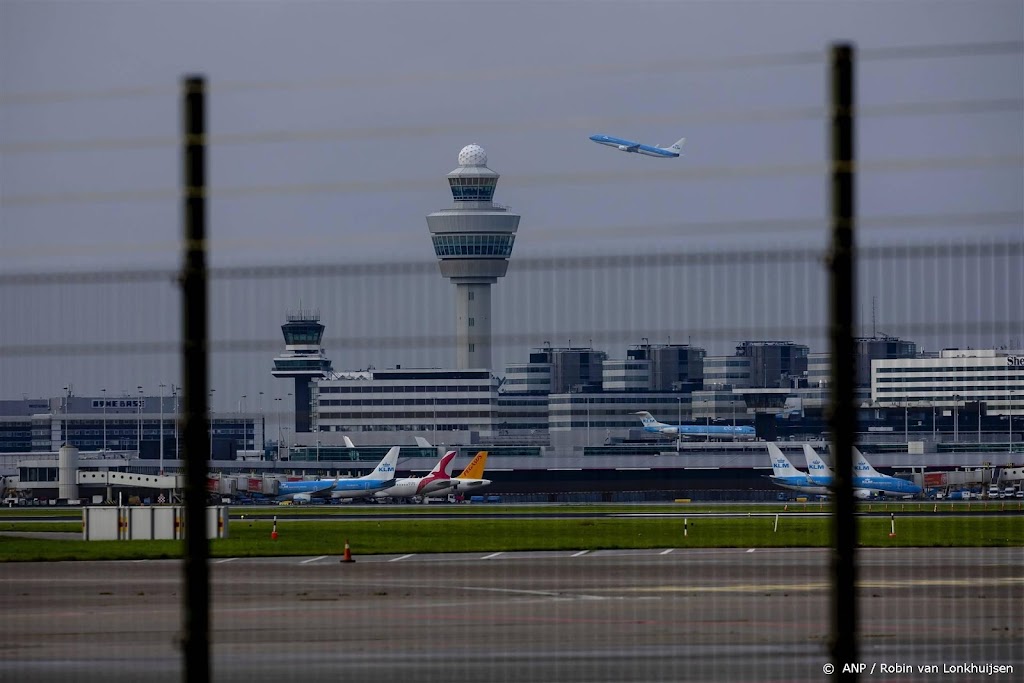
pixel 408 487
pixel 471 478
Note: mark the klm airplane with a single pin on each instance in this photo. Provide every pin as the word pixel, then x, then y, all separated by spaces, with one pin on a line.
pixel 382 477
pixel 717 431
pixel 867 482
pixel 789 477
pixel 629 146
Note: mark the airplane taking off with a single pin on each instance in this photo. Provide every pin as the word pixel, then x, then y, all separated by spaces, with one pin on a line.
pixel 789 477
pixel 382 477
pixel 408 487
pixel 471 478
pixel 718 431
pixel 671 151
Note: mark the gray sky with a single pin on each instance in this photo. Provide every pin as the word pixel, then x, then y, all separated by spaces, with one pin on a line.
pixel 357 110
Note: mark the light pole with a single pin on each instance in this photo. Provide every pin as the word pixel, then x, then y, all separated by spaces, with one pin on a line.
pixel 707 419
pixel 162 387
pixel 263 431
pixel 138 438
pixel 588 420
pixel 956 418
pixel 174 392
pixel 211 423
pixel 906 431
pixel 979 421
pixel 933 420
pixel 279 410
pixel 679 422
pixel 104 392
pixel 67 431
pixel 318 450
pixel 245 430
pixel 732 402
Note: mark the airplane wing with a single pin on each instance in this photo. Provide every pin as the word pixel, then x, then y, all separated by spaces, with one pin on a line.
pixel 630 148
pixel 320 490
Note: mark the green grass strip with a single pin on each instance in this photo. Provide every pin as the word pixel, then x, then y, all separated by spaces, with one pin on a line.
pixel 252 538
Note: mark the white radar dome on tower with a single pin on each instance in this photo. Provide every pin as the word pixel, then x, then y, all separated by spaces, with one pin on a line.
pixel 472 155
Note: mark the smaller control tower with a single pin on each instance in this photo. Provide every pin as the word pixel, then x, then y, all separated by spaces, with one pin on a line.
pixel 303 360
pixel 473 242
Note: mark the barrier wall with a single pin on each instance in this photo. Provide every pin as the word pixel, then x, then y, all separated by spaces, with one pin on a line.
pixel 135 523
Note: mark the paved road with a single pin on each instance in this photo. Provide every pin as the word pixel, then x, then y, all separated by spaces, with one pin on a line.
pixel 565 617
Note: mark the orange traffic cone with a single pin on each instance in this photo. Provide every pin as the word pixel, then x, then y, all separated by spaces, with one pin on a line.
pixel 273 533
pixel 348 553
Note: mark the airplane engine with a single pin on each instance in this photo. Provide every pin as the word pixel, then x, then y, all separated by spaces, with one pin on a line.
pixel 302 498
pixel 863 494
pixel 624 148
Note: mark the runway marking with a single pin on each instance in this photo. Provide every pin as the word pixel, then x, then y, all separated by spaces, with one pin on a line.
pixel 751 550
pixel 546 594
pixel 312 559
pixel 396 559
pixel 582 552
pixel 229 559
pixel 818 586
pixel 666 552
pixel 491 556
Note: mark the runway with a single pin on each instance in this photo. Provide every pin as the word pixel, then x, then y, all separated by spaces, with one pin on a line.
pixel 565 617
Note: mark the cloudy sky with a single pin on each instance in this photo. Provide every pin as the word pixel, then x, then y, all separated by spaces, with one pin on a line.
pixel 333 123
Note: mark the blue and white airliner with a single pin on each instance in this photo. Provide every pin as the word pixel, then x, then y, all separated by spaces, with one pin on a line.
pixel 669 152
pixel 717 431
pixel 382 477
pixel 867 482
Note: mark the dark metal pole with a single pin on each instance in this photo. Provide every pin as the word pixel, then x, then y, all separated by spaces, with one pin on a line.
pixel 843 416
pixel 194 356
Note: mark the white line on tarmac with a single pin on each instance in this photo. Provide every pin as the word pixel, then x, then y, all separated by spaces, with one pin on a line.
pixel 396 559
pixel 491 556
pixel 312 559
pixel 666 552
pixel 229 559
pixel 582 552
pixel 751 550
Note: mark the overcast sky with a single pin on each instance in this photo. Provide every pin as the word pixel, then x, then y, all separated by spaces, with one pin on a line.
pixel 333 125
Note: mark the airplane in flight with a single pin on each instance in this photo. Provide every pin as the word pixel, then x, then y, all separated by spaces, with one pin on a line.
pixel 669 152
pixel 717 431
pixel 409 487
pixel 471 478
pixel 382 476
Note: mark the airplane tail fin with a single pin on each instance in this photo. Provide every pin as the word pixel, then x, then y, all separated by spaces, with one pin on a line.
pixel 422 443
pixel 385 469
pixel 781 466
pixel 348 442
pixel 861 466
pixel 475 468
pixel 647 419
pixel 443 466
pixel 815 465
pixel 677 147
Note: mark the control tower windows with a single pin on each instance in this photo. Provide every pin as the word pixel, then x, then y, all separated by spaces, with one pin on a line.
pixel 473 245
pixel 472 189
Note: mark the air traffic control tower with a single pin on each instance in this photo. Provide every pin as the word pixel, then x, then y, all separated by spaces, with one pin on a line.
pixel 303 360
pixel 473 241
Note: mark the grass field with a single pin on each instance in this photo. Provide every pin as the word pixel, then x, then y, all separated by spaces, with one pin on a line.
pixel 252 538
